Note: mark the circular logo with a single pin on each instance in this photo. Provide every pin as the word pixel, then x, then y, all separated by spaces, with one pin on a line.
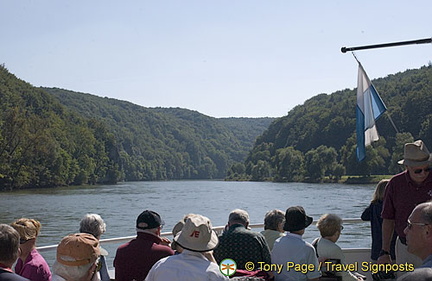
pixel 228 267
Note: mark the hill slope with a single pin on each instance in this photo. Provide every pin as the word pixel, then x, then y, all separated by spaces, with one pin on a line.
pixel 294 146
pixel 167 143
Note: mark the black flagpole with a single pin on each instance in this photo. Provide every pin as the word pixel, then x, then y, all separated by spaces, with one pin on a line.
pixel 420 41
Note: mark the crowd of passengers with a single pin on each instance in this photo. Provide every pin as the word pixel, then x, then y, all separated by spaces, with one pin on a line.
pixel 400 214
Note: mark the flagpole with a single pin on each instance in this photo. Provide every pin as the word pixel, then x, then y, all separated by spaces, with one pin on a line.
pixel 419 41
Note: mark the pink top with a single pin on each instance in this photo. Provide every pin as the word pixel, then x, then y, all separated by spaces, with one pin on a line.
pixel 35 267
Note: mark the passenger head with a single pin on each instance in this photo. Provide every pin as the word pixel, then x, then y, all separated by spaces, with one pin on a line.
pixel 419 231
pixel 197 235
pixel 9 245
pixel 149 221
pixel 238 216
pixel 378 195
pixel 330 226
pixel 296 219
pixel 28 230
pixel 274 220
pixel 417 160
pixel 419 274
pixel 76 255
pixel 93 224
pixel 176 229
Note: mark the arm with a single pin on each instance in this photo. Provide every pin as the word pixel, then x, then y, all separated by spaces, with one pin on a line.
pixel 366 215
pixel 387 234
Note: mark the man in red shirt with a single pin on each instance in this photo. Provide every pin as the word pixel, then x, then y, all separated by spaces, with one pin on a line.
pixel 134 259
pixel 403 193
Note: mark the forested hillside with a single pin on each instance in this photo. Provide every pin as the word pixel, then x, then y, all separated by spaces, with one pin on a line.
pixel 43 145
pixel 318 138
pixel 168 143
pixel 87 139
pixel 51 137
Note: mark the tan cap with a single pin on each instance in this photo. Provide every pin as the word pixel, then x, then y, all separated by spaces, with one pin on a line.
pixel 78 249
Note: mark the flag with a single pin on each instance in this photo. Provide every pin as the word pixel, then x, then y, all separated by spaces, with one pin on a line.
pixel 369 108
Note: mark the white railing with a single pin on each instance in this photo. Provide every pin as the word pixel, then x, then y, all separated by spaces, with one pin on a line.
pixel 217 229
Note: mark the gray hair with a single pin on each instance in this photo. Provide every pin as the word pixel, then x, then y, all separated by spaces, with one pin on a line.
pixel 273 219
pixel 329 224
pixel 9 244
pixel 93 224
pixel 70 272
pixel 238 215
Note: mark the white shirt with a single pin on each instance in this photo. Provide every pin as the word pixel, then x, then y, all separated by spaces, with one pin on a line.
pixel 187 266
pixel 329 249
pixel 293 250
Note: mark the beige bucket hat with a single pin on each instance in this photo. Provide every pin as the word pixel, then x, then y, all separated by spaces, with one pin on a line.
pixel 416 154
pixel 197 235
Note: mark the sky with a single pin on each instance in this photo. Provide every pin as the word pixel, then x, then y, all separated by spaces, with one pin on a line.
pixel 222 58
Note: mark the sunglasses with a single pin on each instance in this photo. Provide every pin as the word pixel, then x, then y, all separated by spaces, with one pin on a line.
pixel 418 171
pixel 22 241
pixel 410 224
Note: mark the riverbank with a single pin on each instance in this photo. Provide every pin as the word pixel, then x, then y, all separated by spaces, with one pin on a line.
pixel 364 180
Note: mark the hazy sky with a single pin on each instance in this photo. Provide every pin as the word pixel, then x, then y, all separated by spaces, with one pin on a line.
pixel 223 58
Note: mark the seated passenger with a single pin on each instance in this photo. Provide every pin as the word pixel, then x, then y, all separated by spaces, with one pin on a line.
pixel 330 227
pixel 94 224
pixel 176 229
pixel 134 259
pixel 291 250
pixel 9 247
pixel 30 264
pixel 241 244
pixel 273 226
pixel 77 256
pixel 419 274
pixel 197 240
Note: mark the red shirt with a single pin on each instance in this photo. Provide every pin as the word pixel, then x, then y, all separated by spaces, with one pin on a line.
pixel 134 259
pixel 401 196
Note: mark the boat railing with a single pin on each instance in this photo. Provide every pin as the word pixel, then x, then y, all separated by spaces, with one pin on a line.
pixel 217 229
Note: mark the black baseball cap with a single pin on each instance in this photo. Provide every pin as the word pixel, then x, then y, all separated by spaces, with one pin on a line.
pixel 148 220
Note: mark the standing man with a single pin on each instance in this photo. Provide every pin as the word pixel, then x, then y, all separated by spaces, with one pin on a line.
pixel 403 193
pixel 134 259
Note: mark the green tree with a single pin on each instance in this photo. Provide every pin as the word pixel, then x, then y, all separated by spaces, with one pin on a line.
pixel 320 161
pixel 289 165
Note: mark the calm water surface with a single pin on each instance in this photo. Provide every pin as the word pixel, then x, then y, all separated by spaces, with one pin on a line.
pixel 61 209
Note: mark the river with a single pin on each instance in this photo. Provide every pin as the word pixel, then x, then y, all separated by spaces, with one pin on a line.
pixel 61 209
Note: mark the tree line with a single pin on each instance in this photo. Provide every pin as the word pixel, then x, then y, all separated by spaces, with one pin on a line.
pixel 317 140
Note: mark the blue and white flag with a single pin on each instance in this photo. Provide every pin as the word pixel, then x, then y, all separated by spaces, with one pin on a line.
pixel 369 108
